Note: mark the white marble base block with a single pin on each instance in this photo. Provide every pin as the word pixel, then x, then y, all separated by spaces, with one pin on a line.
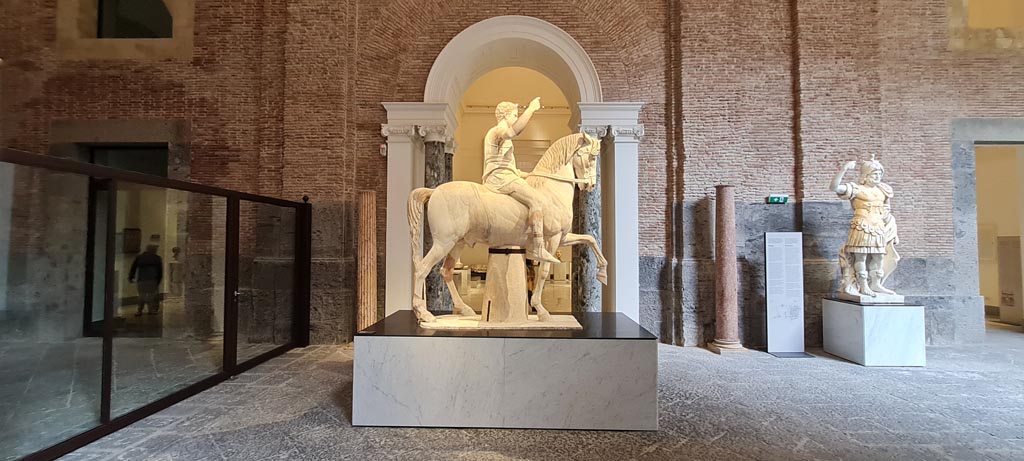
pixel 545 383
pixel 875 335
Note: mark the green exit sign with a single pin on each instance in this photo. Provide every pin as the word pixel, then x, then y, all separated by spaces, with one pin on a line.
pixel 778 198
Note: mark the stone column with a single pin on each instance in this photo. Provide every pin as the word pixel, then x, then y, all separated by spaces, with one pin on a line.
pixel 449 159
pixel 586 209
pixel 727 332
pixel 366 313
pixel 401 181
pixel 435 173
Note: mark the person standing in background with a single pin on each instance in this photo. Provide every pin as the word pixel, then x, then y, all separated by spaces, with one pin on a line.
pixel 149 267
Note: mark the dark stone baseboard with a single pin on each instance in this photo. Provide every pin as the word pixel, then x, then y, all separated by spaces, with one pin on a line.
pixel 677 296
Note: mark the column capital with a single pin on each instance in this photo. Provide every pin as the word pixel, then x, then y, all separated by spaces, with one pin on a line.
pixel 627 133
pixel 434 133
pixel 597 131
pixel 449 146
pixel 398 132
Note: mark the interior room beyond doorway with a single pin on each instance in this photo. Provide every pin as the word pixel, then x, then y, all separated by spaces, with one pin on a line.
pixel 1000 188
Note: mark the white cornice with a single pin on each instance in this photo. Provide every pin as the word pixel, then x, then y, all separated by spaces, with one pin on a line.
pixel 610 113
pixel 420 113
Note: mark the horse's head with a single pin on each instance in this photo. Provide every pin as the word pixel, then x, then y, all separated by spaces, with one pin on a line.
pixel 584 162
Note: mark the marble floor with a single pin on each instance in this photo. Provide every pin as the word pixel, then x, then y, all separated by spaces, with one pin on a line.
pixel 967 404
pixel 51 391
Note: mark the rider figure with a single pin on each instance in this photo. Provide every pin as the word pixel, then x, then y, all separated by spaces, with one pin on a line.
pixel 501 174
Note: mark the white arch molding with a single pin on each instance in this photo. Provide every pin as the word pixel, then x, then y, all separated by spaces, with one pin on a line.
pixel 519 41
pixel 506 41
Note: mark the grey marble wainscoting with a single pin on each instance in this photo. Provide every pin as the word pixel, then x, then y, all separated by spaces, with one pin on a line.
pixel 333 272
pixel 677 297
pixel 660 308
pixel 698 281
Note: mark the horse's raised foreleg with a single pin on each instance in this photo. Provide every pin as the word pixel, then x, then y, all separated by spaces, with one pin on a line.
pixel 419 304
pixel 448 272
pixel 540 277
pixel 584 239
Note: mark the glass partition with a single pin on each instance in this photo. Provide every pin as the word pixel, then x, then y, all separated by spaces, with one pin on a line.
pixel 122 292
pixel 50 370
pixel 169 292
pixel 266 277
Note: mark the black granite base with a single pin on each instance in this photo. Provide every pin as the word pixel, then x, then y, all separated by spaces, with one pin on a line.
pixel 596 325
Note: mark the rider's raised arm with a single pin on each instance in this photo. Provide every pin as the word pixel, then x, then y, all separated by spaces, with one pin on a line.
pixel 523 120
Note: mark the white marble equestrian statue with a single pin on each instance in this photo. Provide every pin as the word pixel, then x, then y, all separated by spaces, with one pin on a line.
pixel 463 212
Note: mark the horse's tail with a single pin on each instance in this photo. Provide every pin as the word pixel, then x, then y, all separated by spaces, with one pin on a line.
pixel 417 199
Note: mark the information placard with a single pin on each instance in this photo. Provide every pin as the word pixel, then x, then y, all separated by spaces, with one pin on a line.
pixel 784 286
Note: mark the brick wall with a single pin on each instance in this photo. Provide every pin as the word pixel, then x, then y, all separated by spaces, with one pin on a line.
pixel 218 91
pixel 398 42
pixel 283 98
pixel 881 78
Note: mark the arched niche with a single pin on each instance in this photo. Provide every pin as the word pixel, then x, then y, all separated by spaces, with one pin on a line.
pixel 513 41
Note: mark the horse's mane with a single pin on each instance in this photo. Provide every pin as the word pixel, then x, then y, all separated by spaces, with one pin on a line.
pixel 558 154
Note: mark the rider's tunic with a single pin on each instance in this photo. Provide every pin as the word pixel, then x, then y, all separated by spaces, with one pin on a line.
pixel 500 169
pixel 872 226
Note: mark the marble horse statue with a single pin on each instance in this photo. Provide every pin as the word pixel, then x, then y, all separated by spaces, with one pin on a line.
pixel 466 213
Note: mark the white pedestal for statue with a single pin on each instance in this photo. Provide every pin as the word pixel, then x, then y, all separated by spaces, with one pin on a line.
pixel 874 335
pixel 603 377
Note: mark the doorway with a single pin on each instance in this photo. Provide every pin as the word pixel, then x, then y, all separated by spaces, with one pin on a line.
pixel 1000 193
pixel 140 243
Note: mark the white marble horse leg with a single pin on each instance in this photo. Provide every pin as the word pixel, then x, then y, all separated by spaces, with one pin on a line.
pixel 448 272
pixel 571 239
pixel 540 277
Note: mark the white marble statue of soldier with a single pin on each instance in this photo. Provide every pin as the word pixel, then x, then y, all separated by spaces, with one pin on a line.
pixel 502 175
pixel 869 255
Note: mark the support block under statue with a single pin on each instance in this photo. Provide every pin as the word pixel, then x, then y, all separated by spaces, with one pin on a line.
pixel 874 335
pixel 505 290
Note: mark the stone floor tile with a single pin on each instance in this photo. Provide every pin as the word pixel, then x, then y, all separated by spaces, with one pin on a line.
pixel 967 404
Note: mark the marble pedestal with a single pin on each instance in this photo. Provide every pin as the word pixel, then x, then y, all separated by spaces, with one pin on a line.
pixel 874 335
pixel 602 377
